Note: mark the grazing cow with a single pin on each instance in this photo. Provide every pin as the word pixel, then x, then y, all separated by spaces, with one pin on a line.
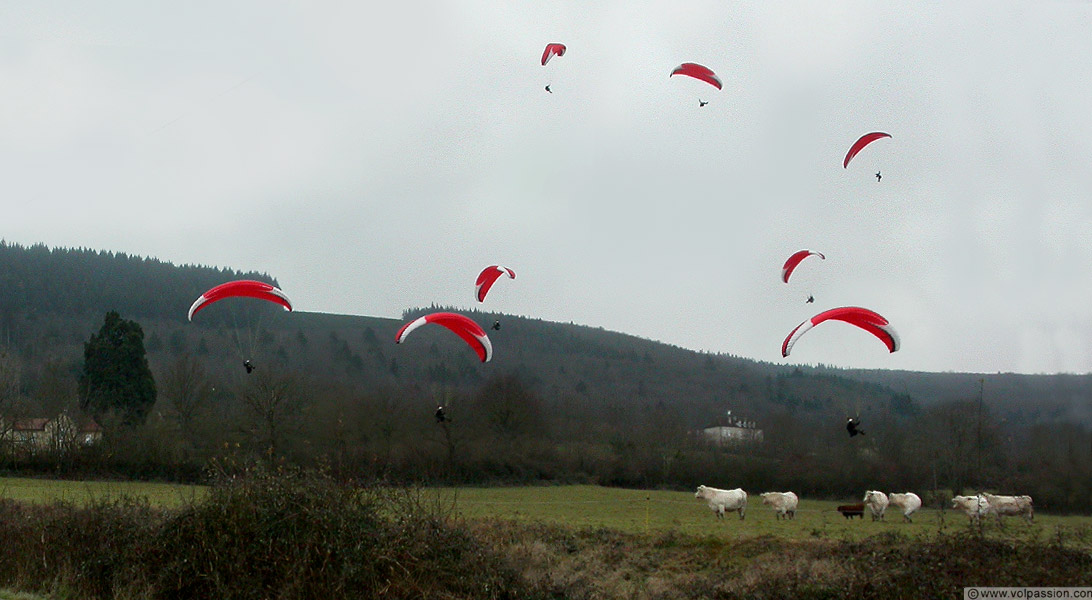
pixel 1009 506
pixel 877 504
pixel 723 500
pixel 909 503
pixel 974 506
pixel 783 503
pixel 852 510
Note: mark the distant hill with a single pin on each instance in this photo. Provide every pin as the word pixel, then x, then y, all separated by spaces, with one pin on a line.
pixel 51 300
pixel 1018 398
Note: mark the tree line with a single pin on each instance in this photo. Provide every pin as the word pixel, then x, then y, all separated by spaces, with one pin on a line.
pixel 562 402
pixel 506 430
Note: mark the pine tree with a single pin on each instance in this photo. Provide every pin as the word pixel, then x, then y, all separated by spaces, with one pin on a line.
pixel 115 376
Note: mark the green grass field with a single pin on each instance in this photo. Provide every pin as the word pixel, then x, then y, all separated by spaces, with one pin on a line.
pixel 166 495
pixel 641 511
pixel 632 511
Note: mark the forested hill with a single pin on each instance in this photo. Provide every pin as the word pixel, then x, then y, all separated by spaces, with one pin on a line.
pixel 1020 398
pixel 52 300
pixel 78 282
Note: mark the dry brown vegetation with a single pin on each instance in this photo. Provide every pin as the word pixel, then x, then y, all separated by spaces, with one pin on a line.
pixel 561 563
pixel 256 536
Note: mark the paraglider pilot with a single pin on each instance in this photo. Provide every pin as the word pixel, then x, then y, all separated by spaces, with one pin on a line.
pixel 877 175
pixel 810 299
pixel 496 325
pixel 441 416
pixel 702 102
pixel 852 425
pixel 249 366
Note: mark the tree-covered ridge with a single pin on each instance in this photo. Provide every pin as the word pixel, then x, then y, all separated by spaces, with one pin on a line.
pixel 52 298
pixel 41 280
pixel 558 401
pixel 49 297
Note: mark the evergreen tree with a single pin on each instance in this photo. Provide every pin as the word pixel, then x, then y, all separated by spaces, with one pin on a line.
pixel 115 375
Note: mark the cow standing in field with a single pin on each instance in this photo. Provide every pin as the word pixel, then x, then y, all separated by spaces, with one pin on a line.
pixel 1009 506
pixel 974 506
pixel 783 503
pixel 876 503
pixel 852 510
pixel 908 503
pixel 723 500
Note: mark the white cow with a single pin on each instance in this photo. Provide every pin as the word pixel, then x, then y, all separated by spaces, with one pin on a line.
pixel 909 503
pixel 974 506
pixel 723 500
pixel 783 503
pixel 1010 506
pixel 876 502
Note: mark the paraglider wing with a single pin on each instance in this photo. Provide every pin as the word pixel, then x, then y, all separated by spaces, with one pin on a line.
pixel 861 317
pixel 551 51
pixel 462 326
pixel 698 72
pixel 790 264
pixel 884 331
pixel 865 140
pixel 241 288
pixel 488 277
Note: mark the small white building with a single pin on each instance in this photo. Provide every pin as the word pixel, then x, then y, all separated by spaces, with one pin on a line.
pixel 732 430
pixel 51 434
pixel 724 434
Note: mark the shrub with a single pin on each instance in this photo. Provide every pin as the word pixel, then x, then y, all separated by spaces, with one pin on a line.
pixel 260 535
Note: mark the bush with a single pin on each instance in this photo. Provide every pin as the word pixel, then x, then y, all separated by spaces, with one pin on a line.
pixel 261 535
pixel 66 547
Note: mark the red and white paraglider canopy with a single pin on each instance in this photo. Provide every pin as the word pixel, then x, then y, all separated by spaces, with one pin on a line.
pixel 551 51
pixel 699 72
pixel 488 277
pixel 241 288
pixel 861 317
pixel 794 260
pixel 859 145
pixel 462 326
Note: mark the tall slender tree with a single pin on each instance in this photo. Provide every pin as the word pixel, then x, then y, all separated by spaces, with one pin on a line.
pixel 115 376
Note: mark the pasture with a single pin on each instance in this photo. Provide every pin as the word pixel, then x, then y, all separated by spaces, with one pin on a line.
pixel 655 511
pixel 624 510
pixel 46 491
pixel 529 542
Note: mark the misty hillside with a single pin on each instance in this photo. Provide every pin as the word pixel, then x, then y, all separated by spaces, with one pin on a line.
pixel 1016 397
pixel 52 300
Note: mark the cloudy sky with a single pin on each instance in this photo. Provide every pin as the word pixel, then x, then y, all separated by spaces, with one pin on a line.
pixel 376 159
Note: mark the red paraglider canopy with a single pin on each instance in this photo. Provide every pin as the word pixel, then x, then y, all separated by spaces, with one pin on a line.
pixel 861 317
pixel 857 146
pixel 698 72
pixel 464 327
pixel 241 288
pixel 790 264
pixel 488 277
pixel 551 51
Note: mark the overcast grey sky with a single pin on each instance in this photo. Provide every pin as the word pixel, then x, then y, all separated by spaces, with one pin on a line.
pixel 376 159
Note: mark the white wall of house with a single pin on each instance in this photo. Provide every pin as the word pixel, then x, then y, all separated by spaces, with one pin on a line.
pixel 725 434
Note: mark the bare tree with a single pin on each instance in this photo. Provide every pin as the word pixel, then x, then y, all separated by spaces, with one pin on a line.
pixel 509 409
pixel 56 391
pixel 387 416
pixel 186 387
pixel 949 437
pixel 11 397
pixel 275 402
